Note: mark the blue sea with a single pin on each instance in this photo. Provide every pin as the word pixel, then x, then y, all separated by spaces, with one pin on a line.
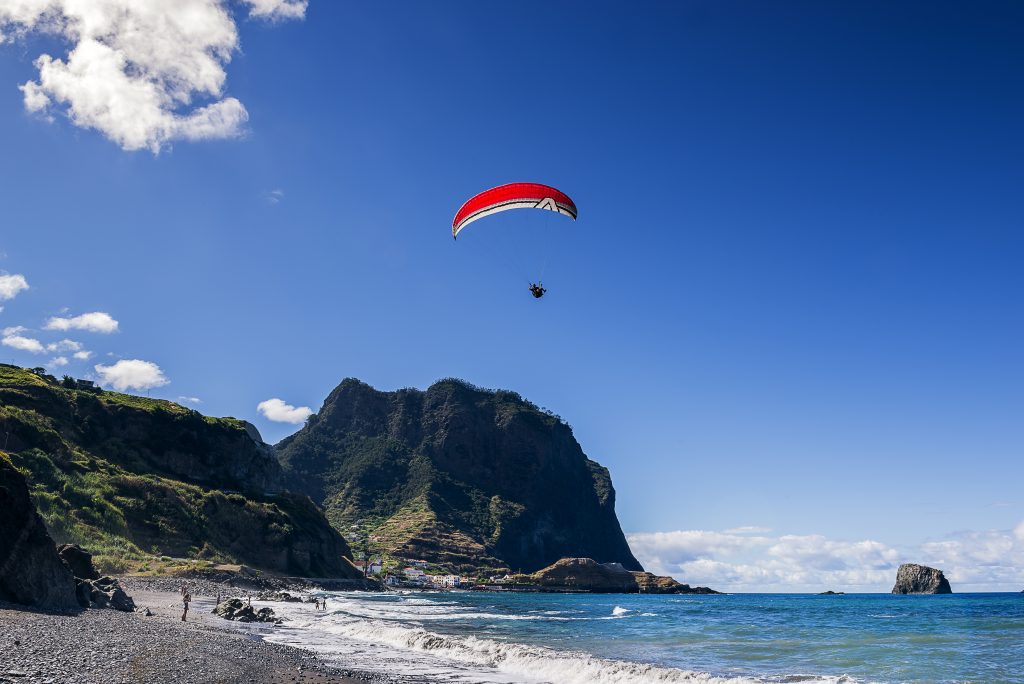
pixel 586 638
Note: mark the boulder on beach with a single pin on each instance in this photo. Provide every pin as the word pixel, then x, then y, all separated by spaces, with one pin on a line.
pixel 240 611
pixel 91 590
pixel 920 579
pixel 31 573
pixel 78 560
pixel 281 596
pixel 107 593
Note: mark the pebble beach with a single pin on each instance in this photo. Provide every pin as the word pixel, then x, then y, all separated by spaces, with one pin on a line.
pixel 112 647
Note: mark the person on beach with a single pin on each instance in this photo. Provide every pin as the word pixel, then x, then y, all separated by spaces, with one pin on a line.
pixel 185 600
pixel 325 603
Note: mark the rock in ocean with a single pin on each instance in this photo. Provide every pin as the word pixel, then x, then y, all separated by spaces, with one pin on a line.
pixel 920 579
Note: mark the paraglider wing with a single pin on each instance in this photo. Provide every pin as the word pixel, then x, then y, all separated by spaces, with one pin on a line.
pixel 513 196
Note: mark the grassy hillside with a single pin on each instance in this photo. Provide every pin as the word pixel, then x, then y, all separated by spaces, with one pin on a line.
pixel 135 479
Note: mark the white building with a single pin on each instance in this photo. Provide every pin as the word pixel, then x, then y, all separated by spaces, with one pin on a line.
pixel 447 581
pixel 414 574
pixel 368 568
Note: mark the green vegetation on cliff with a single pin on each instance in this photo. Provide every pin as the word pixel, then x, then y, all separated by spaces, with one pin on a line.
pixel 130 477
pixel 466 478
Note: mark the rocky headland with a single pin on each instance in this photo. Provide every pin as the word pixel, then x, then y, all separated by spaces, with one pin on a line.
pixel 920 579
pixel 471 480
pixel 587 575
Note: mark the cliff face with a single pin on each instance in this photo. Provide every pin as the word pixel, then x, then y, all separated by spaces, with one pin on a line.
pixel 31 573
pixel 128 477
pixel 456 475
pixel 919 579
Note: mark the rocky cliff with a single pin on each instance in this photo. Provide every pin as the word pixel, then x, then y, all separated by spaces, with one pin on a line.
pixel 586 574
pixel 31 573
pixel 466 478
pixel 129 478
pixel 919 579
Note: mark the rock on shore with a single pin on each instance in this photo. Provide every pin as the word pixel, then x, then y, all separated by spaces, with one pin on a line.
pixel 31 573
pixel 239 611
pixel 920 579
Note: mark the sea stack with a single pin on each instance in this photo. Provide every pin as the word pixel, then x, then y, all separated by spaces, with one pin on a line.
pixel 919 579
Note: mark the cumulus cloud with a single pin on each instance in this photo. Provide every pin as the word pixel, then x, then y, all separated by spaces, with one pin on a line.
pixel 190 400
pixel 14 330
pixel 11 285
pixel 142 73
pixel 58 361
pixel 97 321
pixel 23 343
pixel 83 355
pixel 280 412
pixel 739 560
pixel 129 374
pixel 64 345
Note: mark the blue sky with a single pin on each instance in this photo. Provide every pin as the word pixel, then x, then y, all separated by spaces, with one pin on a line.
pixel 792 300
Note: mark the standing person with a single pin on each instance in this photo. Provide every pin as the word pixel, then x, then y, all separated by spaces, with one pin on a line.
pixel 185 600
pixel 325 603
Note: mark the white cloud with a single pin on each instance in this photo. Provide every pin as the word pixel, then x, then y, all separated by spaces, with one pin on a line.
pixel 24 344
pixel 190 400
pixel 97 321
pixel 11 285
pixel 58 361
pixel 744 561
pixel 14 330
pixel 83 355
pixel 280 412
pixel 129 374
pixel 135 69
pixel 278 9
pixel 64 345
pixel 274 196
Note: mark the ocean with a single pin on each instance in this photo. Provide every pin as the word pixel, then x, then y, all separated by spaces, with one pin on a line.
pixel 478 637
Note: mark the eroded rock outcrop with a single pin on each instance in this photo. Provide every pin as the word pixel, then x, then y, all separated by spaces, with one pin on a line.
pixel 78 560
pixel 660 584
pixel 920 579
pixel 586 574
pixel 31 573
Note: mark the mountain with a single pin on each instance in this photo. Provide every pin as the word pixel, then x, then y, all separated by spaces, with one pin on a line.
pixel 130 478
pixel 465 478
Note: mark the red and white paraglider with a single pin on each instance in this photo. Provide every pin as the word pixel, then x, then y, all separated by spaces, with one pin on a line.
pixel 514 196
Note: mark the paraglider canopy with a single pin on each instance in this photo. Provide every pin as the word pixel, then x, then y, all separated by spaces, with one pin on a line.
pixel 513 196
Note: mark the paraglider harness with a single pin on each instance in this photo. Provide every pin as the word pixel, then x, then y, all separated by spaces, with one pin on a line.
pixel 537 290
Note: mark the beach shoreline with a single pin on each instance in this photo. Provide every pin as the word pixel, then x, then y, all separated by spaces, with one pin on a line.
pixel 112 647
